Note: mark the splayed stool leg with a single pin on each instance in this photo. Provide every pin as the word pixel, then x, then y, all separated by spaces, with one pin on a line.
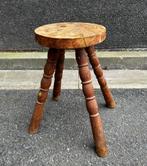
pixel 110 103
pixel 58 75
pixel 91 103
pixel 43 92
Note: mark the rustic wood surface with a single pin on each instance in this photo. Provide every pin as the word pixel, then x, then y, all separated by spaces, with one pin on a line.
pixel 70 35
pixel 43 93
pixel 91 103
pixel 58 75
pixel 110 103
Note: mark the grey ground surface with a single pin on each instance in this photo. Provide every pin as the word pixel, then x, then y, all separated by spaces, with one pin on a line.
pixel 65 136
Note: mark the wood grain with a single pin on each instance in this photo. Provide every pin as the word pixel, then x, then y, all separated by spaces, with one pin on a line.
pixel 58 74
pixel 91 103
pixel 70 35
pixel 43 93
pixel 110 103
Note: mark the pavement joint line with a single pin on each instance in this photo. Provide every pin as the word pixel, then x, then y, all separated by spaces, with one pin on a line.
pixel 71 54
pixel 30 79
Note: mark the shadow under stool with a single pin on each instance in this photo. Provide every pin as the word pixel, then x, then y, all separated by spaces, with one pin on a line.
pixel 82 37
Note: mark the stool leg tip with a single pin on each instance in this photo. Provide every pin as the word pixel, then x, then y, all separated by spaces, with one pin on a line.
pixel 102 152
pixel 55 98
pixel 32 131
pixel 111 105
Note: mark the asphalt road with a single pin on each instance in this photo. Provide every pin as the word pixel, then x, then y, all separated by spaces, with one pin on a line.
pixel 125 20
pixel 65 136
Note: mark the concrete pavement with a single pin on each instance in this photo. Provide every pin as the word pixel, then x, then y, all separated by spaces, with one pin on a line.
pixel 109 60
pixel 30 79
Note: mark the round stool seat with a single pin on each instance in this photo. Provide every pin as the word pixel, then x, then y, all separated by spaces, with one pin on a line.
pixel 70 35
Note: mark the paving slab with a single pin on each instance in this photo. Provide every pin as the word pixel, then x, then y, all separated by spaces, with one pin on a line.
pixel 65 136
pixel 108 59
pixel 30 79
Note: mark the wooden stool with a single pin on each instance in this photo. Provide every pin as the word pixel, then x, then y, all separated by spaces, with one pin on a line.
pixel 82 37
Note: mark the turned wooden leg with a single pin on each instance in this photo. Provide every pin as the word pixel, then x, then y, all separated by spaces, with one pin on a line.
pixel 58 75
pixel 100 77
pixel 43 93
pixel 91 103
